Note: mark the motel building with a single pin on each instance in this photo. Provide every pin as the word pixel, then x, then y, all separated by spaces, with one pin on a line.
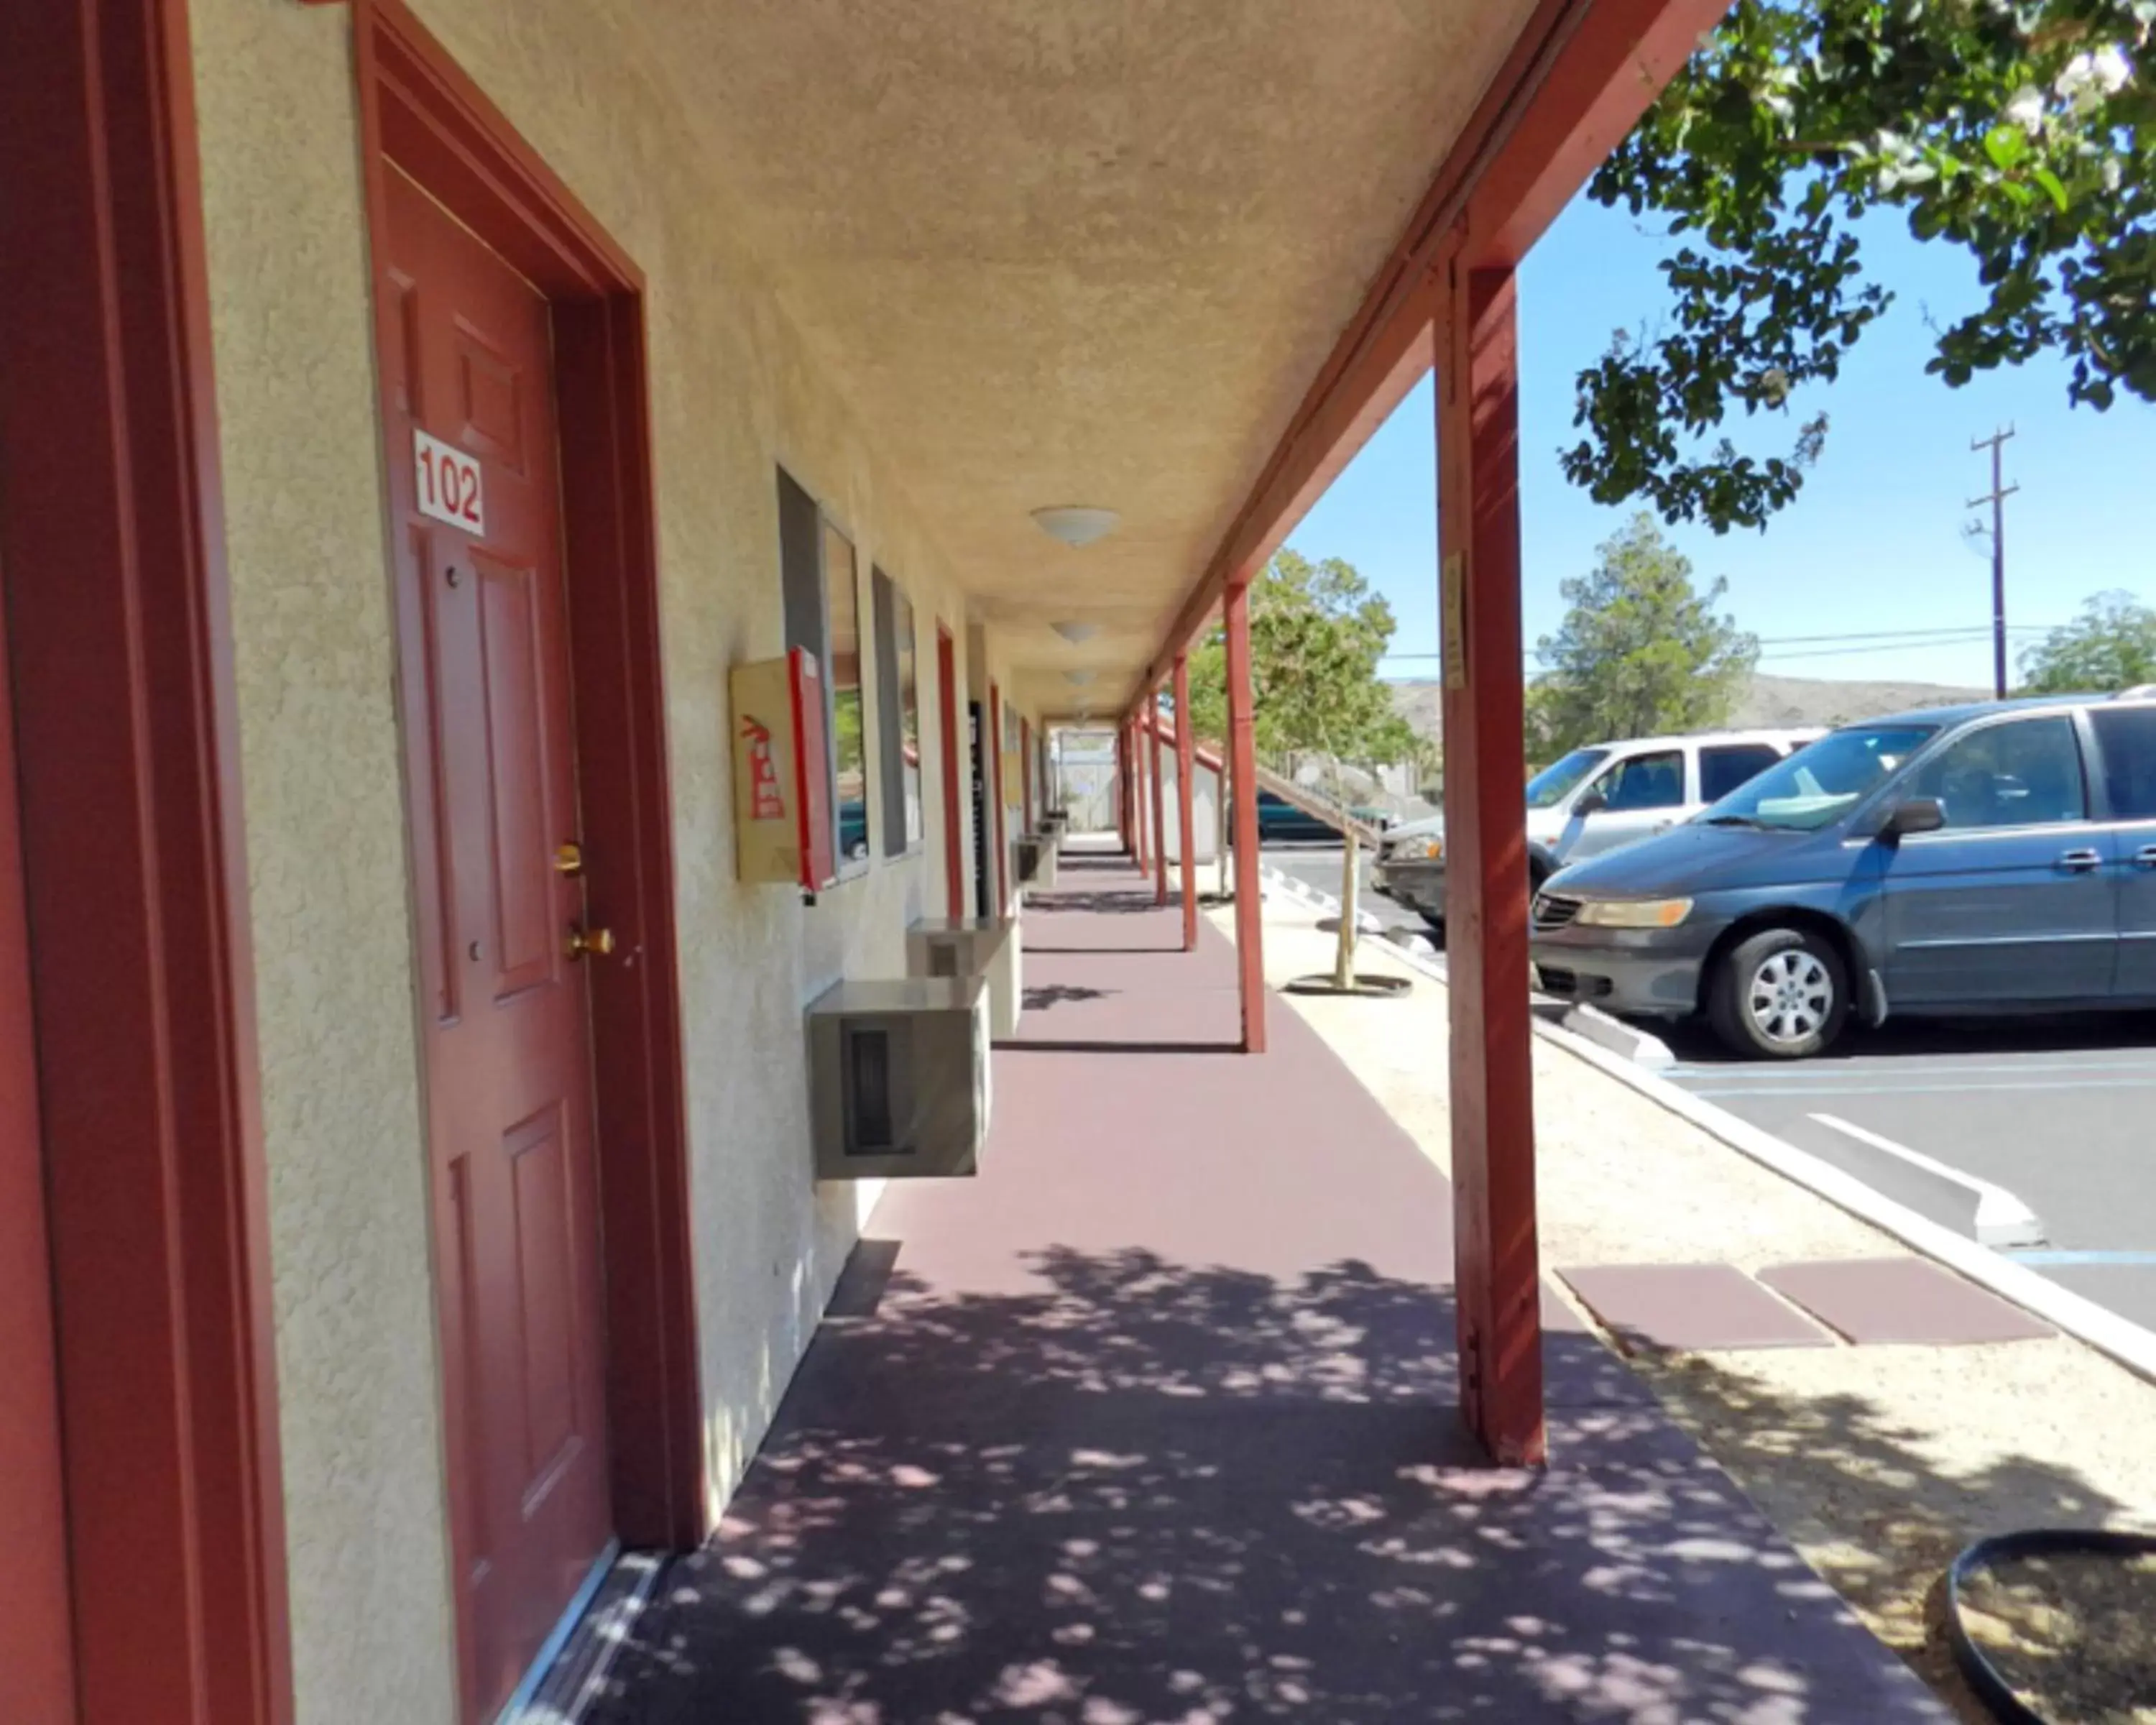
pixel 547 546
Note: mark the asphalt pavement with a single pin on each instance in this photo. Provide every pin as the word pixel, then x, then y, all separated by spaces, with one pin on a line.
pixel 1319 866
pixel 2059 1112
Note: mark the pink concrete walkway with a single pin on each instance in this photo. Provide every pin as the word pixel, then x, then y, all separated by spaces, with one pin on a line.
pixel 1153 1422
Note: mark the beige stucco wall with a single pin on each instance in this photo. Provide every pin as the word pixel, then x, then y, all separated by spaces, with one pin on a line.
pixel 734 390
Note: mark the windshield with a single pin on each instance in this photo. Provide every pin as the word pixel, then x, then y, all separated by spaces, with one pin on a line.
pixel 1820 784
pixel 1554 784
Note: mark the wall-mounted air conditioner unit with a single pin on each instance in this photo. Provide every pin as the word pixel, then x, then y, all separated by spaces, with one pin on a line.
pixel 1036 861
pixel 972 946
pixel 898 1076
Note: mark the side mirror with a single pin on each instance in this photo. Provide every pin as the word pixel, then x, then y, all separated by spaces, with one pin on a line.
pixel 1919 814
pixel 1592 801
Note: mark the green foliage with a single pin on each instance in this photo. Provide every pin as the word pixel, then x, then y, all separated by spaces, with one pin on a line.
pixel 2112 645
pixel 1640 652
pixel 1316 634
pixel 2023 131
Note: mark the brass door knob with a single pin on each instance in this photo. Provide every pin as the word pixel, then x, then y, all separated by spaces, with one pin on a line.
pixel 596 941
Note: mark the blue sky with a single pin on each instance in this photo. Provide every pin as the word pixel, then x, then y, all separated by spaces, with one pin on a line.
pixel 1874 544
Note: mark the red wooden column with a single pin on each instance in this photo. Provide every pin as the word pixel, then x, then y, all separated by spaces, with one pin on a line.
pixel 1493 1128
pixel 1243 763
pixel 1186 769
pixel 1159 799
pixel 1122 786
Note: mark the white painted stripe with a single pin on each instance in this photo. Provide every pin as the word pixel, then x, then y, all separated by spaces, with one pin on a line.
pixel 2002 1220
pixel 1834 1071
pixel 1921 1090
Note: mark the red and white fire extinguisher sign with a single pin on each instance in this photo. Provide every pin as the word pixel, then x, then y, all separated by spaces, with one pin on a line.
pixel 782 773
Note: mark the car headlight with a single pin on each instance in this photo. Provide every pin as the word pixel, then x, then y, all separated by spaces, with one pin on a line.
pixel 1432 848
pixel 1634 912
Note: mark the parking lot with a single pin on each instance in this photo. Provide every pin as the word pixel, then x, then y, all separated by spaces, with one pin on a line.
pixel 1319 866
pixel 2061 1113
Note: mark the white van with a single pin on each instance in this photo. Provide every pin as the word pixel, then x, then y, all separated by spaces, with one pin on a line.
pixel 1596 799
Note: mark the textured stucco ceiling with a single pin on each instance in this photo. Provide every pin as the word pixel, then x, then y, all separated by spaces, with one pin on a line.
pixel 1078 251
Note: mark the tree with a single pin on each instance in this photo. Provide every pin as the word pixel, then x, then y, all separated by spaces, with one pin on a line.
pixel 1641 651
pixel 2023 131
pixel 2112 645
pixel 1318 633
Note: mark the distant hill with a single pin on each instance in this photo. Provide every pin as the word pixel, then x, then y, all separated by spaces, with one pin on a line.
pixel 1768 701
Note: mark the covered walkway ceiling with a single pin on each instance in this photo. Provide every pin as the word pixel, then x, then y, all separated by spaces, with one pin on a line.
pixel 1087 254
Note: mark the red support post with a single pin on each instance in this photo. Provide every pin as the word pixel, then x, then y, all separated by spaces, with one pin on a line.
pixel 1159 798
pixel 1243 763
pixel 1122 786
pixel 1186 825
pixel 1134 774
pixel 1492 1094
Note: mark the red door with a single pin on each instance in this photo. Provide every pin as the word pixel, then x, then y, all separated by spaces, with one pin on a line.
pixel 508 1039
pixel 954 859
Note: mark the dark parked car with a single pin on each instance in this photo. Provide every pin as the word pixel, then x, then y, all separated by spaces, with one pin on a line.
pixel 1990 859
pixel 1279 818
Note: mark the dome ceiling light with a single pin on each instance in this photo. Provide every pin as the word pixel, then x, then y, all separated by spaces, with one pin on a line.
pixel 1077 634
pixel 1076 526
pixel 1080 678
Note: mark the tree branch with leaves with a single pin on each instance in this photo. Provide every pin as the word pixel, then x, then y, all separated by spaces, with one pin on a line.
pixel 2023 133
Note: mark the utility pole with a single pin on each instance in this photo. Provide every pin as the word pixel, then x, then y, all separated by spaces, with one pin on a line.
pixel 1996 497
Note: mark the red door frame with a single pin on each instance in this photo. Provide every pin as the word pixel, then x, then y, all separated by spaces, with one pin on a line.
pixel 111 541
pixel 418 109
pixel 954 859
pixel 37 1642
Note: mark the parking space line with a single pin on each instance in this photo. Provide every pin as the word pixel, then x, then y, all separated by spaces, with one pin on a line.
pixel 1916 1089
pixel 2046 1258
pixel 2002 1220
pixel 1883 1068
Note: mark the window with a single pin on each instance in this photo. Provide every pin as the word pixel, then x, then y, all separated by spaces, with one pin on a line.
pixel 1554 784
pixel 2128 737
pixel 1655 781
pixel 850 758
pixel 898 714
pixel 2025 773
pixel 1821 783
pixel 820 588
pixel 1722 769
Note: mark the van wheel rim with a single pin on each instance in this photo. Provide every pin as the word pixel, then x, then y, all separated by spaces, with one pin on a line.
pixel 1790 997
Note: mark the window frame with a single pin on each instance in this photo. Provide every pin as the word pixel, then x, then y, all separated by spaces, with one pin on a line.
pixel 1912 780
pixel 2108 753
pixel 1612 769
pixel 1774 758
pixel 903 828
pixel 807 623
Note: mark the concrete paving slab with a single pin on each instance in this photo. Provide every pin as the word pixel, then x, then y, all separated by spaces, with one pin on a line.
pixel 1691 1308
pixel 1877 1300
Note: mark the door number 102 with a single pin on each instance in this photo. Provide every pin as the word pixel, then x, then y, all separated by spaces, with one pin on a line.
pixel 448 483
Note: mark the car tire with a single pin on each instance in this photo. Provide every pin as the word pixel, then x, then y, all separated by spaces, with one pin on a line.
pixel 1435 921
pixel 1781 994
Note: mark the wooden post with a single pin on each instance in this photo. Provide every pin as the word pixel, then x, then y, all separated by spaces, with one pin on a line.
pixel 1186 793
pixel 1350 866
pixel 1159 801
pixel 1243 758
pixel 1492 1094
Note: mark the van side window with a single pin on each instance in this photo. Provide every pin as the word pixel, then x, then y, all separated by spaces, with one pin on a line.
pixel 1655 781
pixel 2025 773
pixel 1722 769
pixel 2128 737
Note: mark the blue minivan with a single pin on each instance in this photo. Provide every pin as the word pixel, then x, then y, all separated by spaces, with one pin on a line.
pixel 1974 859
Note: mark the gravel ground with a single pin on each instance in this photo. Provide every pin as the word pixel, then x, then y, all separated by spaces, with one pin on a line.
pixel 1878 1463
